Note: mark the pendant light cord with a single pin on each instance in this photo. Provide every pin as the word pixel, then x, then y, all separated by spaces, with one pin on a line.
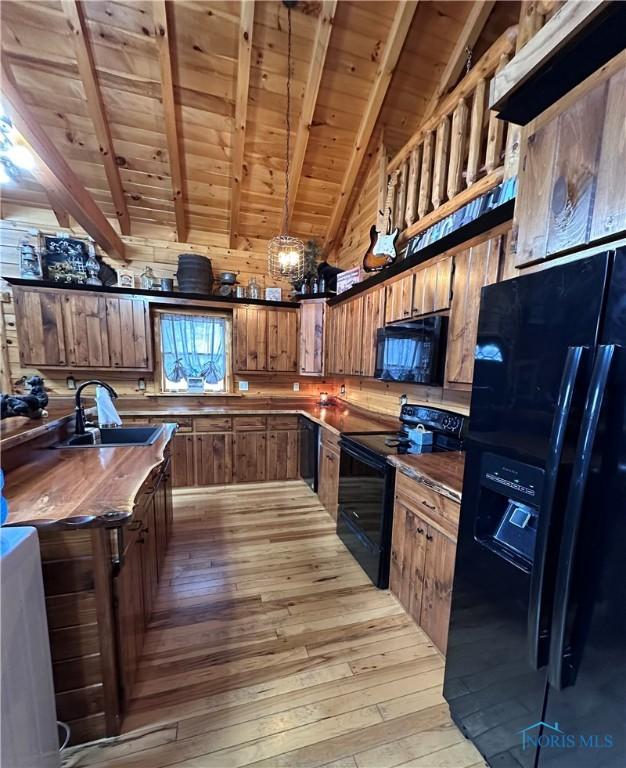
pixel 288 123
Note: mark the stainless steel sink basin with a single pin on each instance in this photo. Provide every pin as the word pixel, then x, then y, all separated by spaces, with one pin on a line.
pixel 141 435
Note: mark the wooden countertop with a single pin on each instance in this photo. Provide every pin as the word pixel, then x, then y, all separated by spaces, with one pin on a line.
pixel 443 471
pixel 81 487
pixel 18 429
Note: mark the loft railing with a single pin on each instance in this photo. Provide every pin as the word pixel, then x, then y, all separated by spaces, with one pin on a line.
pixel 459 151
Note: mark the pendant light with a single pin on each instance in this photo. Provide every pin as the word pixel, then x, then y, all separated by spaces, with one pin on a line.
pixel 285 254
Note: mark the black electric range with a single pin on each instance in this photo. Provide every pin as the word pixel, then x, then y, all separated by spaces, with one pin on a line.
pixel 366 482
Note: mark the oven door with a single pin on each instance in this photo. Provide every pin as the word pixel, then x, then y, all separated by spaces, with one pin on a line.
pixel 366 509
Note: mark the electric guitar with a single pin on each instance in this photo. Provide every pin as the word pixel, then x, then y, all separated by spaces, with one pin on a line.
pixel 382 249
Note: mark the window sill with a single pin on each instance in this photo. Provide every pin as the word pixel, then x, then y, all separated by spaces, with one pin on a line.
pixel 193 394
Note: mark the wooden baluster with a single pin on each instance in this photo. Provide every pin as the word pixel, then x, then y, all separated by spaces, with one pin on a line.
pixel 401 195
pixel 411 195
pixel 476 133
pixel 496 130
pixel 423 204
pixel 441 162
pixel 458 140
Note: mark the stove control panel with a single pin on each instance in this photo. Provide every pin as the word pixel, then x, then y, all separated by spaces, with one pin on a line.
pixel 432 418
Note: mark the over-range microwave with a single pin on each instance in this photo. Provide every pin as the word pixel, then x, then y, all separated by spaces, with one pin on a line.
pixel 412 352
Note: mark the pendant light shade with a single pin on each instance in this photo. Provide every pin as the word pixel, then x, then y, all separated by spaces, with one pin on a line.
pixel 285 254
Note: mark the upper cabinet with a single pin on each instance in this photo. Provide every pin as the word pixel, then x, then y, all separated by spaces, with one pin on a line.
pixel 373 319
pixel 311 351
pixel 80 329
pixel 399 303
pixel 474 268
pixel 572 187
pixel 265 339
pixel 433 287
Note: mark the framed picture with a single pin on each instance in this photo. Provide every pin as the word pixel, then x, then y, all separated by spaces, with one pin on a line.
pixel 347 279
pixel 66 259
pixel 125 278
pixel 273 294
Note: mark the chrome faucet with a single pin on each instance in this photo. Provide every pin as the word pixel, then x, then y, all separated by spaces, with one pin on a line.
pixel 80 411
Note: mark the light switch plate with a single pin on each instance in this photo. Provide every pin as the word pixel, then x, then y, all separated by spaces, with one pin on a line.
pixel 243 386
pixel 296 386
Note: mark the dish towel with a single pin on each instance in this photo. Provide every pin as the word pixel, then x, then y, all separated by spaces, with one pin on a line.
pixel 107 414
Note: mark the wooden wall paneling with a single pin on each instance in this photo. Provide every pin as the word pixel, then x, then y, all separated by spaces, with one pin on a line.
pixel 532 206
pixel 213 457
pixel 166 64
pixel 575 171
pixel 249 456
pixel 39 323
pixel 474 268
pixel 282 340
pixel 93 97
pixel 440 167
pixel 373 319
pixel 246 26
pixel 609 207
pixel 311 338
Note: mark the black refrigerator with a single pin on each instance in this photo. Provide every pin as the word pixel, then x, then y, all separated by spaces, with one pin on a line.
pixel 536 662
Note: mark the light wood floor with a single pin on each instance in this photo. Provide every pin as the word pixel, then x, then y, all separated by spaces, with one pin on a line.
pixel 269 647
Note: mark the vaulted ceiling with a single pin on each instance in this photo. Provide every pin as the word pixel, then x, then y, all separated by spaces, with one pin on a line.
pixel 190 99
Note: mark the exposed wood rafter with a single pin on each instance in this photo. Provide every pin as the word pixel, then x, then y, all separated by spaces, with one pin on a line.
pixel 61 215
pixel 314 78
pixel 75 15
pixel 393 47
pixel 56 175
pixel 470 33
pixel 163 36
pixel 246 24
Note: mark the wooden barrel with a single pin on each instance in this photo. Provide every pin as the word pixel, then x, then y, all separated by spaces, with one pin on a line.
pixel 194 273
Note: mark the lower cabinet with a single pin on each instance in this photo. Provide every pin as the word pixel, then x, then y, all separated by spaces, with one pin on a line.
pixel 213 456
pixel 282 454
pixel 422 556
pixel 183 465
pixel 328 471
pixel 250 457
pixel 141 559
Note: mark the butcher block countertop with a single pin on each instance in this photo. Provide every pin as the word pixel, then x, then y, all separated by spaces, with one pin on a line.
pixel 18 429
pixel 442 471
pixel 81 487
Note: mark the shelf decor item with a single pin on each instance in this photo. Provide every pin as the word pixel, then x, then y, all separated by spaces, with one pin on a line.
pixel 286 253
pixel 66 259
pixel 273 294
pixel 125 278
pixel 30 260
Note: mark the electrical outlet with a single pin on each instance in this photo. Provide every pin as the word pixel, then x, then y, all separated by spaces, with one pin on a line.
pixel 404 399
pixel 243 386
pixel 342 389
pixel 296 386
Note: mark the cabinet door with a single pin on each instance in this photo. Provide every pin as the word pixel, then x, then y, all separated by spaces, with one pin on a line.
pixel 311 346
pixel 408 556
pixel 354 337
pixel 160 525
pixel 373 319
pixel 86 333
pixel 437 594
pixel 128 329
pixel 183 475
pixel 282 454
pixel 474 268
pixel 399 299
pixel 149 567
pixel 250 338
pixel 39 323
pixel 336 340
pixel 282 340
pixel 214 458
pixel 433 285
pixel 329 479
pixel 249 457
pixel 609 210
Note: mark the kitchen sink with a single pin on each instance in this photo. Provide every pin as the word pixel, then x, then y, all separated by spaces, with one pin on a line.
pixel 118 436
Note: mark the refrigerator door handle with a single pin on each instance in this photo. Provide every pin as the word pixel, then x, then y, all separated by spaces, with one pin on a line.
pixel 537 633
pixel 559 670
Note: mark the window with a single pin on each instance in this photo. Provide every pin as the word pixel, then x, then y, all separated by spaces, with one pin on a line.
pixel 195 352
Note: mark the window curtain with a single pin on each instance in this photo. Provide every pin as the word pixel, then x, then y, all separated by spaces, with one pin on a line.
pixel 193 345
pixel 402 357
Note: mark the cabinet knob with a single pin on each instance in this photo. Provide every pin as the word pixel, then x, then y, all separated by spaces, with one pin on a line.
pixel 429 537
pixel 420 530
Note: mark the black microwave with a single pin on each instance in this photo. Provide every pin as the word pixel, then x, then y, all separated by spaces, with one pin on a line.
pixel 413 352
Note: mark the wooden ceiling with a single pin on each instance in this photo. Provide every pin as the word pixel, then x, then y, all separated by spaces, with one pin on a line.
pixel 171 114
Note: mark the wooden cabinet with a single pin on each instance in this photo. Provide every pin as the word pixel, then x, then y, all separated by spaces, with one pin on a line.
pixel 183 464
pixel 328 472
pixel 311 346
pixel 474 268
pixel 572 188
pixel 249 457
pixel 213 454
pixel 282 454
pixel 373 319
pixel 353 339
pixel 265 339
pixel 399 304
pixel 82 329
pixel 433 287
pixel 422 556
pixel 335 338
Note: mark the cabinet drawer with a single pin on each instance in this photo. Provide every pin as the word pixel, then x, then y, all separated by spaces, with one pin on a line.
pixel 213 424
pixel 443 512
pixel 185 423
pixel 329 439
pixel 246 423
pixel 287 421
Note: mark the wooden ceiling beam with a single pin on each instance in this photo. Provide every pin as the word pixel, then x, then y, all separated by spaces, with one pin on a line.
pixel 393 47
pixel 75 14
pixel 474 25
pixel 61 215
pixel 246 24
pixel 314 78
pixel 164 42
pixel 54 172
